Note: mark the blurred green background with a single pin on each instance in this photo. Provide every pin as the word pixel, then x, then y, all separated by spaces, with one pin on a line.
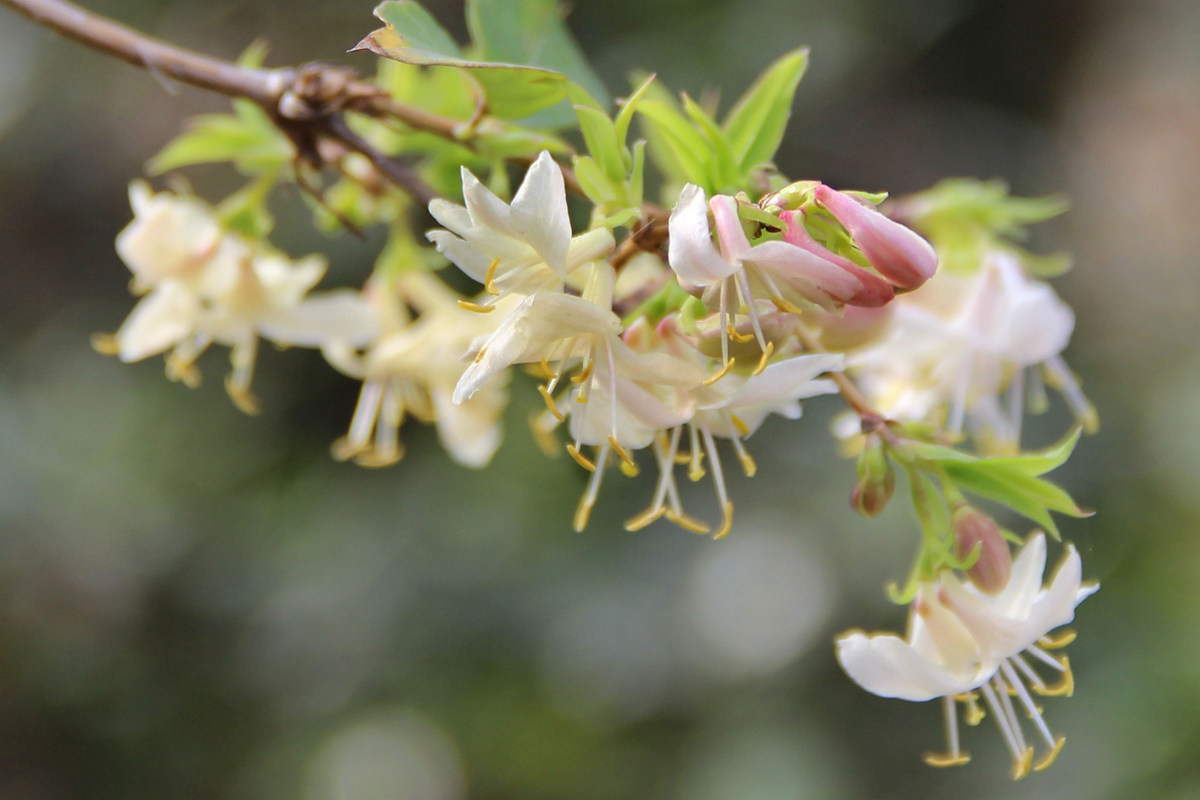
pixel 198 604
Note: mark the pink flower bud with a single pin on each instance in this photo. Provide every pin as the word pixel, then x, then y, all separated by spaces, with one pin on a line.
pixel 973 528
pixel 897 252
pixel 875 291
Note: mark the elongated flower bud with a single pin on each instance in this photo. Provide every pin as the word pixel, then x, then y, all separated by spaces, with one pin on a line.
pixel 876 480
pixel 897 252
pixel 973 528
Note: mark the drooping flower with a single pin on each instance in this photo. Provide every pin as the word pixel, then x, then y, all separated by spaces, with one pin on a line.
pixel 955 344
pixel 204 285
pixel 411 368
pixel 963 643
pixel 520 247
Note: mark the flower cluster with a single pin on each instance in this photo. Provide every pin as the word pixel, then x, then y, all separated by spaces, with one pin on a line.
pixel 202 284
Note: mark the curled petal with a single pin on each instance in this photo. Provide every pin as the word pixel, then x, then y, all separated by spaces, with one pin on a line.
pixel 691 252
pixel 875 291
pixel 886 665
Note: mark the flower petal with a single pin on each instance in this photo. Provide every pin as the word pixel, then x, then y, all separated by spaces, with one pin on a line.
pixel 691 252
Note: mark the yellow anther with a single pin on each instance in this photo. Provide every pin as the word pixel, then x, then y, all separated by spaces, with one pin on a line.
pixel 688 523
pixel 584 374
pixel 550 404
pixel 623 454
pixel 184 371
pixel 974 713
pixel 1053 754
pixel 645 518
pixel 946 759
pixel 1021 765
pixel 749 468
pixel 105 344
pixel 476 307
pixel 373 459
pixel 709 381
pixel 629 470
pixel 582 513
pixel 542 370
pixel 581 398
pixel 784 305
pixel 343 449
pixel 727 522
pixel 241 396
pixel 738 423
pixel 1064 688
pixel 580 458
pixel 479 356
pixel 766 356
pixel 742 338
pixel 488 279
pixel 1057 642
pixel 695 470
pixel 683 457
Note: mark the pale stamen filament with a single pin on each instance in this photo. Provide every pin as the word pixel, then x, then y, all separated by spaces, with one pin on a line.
pixel 363 421
pixel 1014 680
pixel 743 284
pixel 1016 406
pixel 588 501
pixel 724 322
pixel 954 755
pixel 696 464
pixel 1015 746
pixel 719 482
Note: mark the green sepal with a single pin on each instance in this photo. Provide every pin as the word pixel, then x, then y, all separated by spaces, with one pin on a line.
pixel 754 127
pixel 681 145
pixel 722 166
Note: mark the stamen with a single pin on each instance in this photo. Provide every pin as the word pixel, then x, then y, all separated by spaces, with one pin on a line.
pixel 954 757
pixel 974 714
pixel 688 523
pixel 1059 376
pixel 725 324
pixel 766 356
pixel 105 344
pixel 550 404
pixel 1021 766
pixel 627 464
pixel 476 307
pixel 489 284
pixel 546 372
pixel 1065 687
pixel 1051 756
pixel 580 458
pixel 1014 681
pixel 709 381
pixel 542 428
pixel 785 306
pixel 749 468
pixel 1002 722
pixel 1057 642
pixel 652 514
pixel 479 356
pixel 740 338
pixel 363 421
pixel 695 465
pixel 588 501
pixel 584 374
pixel 726 521
pixel 738 423
pixel 1034 679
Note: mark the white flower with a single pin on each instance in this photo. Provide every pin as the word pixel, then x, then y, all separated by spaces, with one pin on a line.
pixel 954 345
pixel 412 368
pixel 171 237
pixel 962 640
pixel 519 247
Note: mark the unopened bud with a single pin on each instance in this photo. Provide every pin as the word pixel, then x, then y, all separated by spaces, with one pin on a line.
pixel 975 529
pixel 898 253
pixel 876 480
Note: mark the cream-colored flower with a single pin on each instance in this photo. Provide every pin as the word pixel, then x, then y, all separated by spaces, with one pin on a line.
pixel 520 247
pixel 963 643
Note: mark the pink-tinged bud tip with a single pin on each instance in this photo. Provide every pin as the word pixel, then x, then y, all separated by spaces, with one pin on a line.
pixel 898 253
pixel 973 528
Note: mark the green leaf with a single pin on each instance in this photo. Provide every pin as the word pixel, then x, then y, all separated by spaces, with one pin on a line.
pixel 756 123
pixel 625 117
pixel 683 144
pixel 247 138
pixel 996 487
pixel 593 181
pixel 1042 461
pixel 723 167
pixel 600 135
pixel 531 32
pixel 413 36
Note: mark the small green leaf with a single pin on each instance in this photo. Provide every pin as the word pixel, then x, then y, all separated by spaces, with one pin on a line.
pixel 756 123
pixel 593 181
pixel 684 144
pixel 247 138
pixel 600 135
pixel 625 116
pixel 1042 461
pixel 723 167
